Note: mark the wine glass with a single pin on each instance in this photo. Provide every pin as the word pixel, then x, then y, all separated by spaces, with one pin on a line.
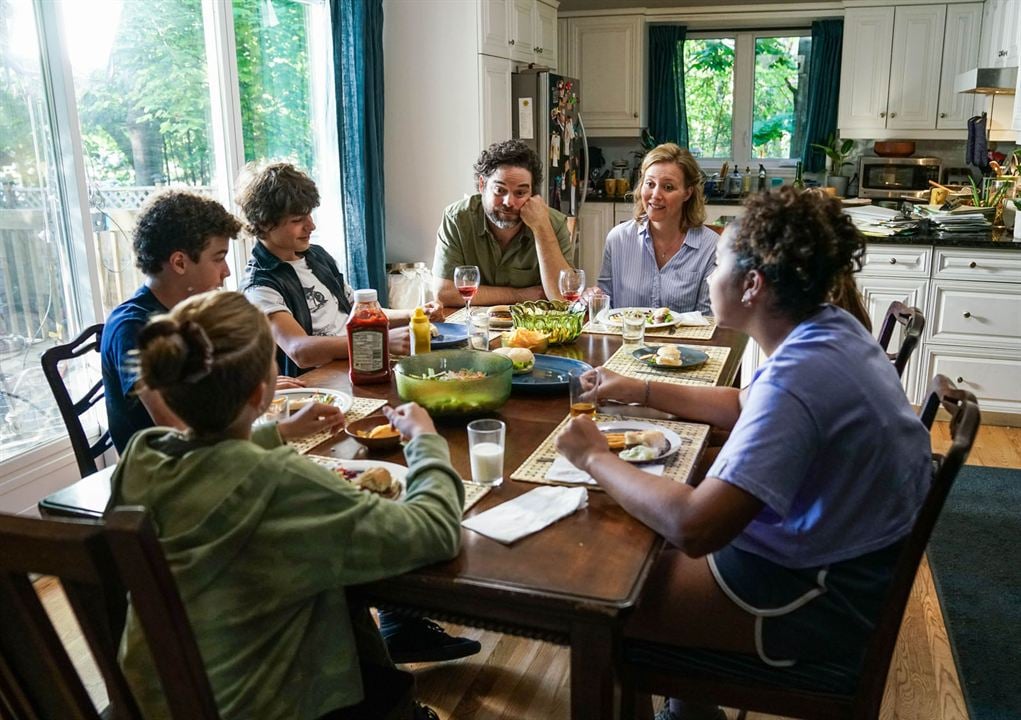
pixel 571 283
pixel 466 280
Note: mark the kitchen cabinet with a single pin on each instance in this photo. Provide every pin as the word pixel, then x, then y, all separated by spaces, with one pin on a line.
pixel 607 54
pixel 494 28
pixel 495 94
pixel 524 31
pixel 594 222
pixel 898 69
pixel 1000 42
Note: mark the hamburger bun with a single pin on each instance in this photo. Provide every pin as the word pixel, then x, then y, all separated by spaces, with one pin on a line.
pixel 500 317
pixel 379 481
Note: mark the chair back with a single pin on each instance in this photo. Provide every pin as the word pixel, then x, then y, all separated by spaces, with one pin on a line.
pixel 71 410
pixel 912 323
pixel 964 424
pixel 97 564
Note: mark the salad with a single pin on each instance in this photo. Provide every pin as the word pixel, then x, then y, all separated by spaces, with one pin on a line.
pixel 464 374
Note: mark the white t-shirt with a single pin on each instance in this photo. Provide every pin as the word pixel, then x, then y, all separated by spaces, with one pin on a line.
pixel 327 318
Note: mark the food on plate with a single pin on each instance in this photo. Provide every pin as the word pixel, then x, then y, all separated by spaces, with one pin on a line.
pixel 500 317
pixel 659 316
pixel 434 331
pixel 616 441
pixel 639 453
pixel 668 355
pixel 380 431
pixel 652 440
pixel 298 404
pixel 377 480
pixel 534 340
pixel 277 405
pixel 522 358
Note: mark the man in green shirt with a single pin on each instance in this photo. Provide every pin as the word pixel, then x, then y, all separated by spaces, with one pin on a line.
pixel 519 243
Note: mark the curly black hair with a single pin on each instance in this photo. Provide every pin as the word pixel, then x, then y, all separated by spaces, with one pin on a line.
pixel 802 244
pixel 178 220
pixel 509 152
pixel 269 192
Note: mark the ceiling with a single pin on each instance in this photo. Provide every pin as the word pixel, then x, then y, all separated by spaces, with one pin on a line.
pixel 625 4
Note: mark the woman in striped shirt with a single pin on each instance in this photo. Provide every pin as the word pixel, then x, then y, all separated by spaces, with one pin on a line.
pixel 663 257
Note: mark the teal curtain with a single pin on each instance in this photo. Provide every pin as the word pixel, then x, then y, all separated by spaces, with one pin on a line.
pixel 358 63
pixel 668 121
pixel 823 90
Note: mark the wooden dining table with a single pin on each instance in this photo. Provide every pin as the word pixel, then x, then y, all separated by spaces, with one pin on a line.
pixel 572 583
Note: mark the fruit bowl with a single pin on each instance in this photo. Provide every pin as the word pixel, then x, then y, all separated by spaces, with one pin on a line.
pixel 558 319
pixel 359 430
pixel 447 382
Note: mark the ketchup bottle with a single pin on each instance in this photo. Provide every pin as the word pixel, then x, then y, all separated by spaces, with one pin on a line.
pixel 368 341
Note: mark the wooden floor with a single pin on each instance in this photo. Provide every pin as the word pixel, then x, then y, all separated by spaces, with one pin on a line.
pixel 514 679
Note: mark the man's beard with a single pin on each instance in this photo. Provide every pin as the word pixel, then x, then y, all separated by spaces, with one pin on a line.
pixel 502 223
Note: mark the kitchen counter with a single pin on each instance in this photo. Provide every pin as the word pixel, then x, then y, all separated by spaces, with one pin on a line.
pixel 979 240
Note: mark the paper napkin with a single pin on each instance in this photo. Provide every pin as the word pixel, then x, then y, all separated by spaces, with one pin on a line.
pixel 691 319
pixel 563 471
pixel 528 513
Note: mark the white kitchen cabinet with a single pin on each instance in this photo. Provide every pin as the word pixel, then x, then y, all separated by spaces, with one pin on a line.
pixel 1000 42
pixel 533 32
pixel 494 28
pixel 899 65
pixel 495 92
pixel 594 223
pixel 608 55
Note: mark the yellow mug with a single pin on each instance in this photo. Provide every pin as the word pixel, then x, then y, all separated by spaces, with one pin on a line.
pixel 623 187
pixel 610 185
pixel 938 196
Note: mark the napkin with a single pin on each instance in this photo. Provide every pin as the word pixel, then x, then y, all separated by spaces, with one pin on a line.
pixel 563 471
pixel 691 318
pixel 528 513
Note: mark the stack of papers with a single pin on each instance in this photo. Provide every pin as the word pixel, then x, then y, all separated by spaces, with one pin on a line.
pixel 876 221
pixel 956 222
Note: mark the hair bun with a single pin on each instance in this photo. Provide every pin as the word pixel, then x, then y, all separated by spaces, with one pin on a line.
pixel 171 353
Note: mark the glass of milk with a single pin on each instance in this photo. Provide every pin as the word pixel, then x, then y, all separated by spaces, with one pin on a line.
pixel 485 447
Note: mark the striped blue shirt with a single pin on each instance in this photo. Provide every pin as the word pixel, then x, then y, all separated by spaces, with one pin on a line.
pixel 633 279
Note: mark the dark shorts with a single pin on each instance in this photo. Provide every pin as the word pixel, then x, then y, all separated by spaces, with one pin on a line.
pixel 820 614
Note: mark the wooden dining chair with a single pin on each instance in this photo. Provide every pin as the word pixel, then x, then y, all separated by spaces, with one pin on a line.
pixel 722 678
pixel 912 322
pixel 97 563
pixel 71 410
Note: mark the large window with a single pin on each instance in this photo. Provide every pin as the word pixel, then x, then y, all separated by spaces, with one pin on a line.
pixel 132 95
pixel 745 95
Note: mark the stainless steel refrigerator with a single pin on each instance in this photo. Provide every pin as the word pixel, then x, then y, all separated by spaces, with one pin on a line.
pixel 545 113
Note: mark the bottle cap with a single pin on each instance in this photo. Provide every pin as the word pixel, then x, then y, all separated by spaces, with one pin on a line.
pixel 419 315
pixel 368 295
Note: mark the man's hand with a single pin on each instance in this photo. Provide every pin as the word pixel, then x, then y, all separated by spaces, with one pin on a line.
pixel 284 382
pixel 313 418
pixel 535 214
pixel 434 309
pixel 400 341
pixel 533 292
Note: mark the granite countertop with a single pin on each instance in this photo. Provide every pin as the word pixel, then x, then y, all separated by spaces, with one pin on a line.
pixel 629 201
pixel 980 240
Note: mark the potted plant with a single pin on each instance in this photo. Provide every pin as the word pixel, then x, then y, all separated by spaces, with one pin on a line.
pixel 836 151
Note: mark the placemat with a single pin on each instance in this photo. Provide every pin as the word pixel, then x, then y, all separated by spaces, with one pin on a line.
pixel 359 409
pixel 677 332
pixel 679 467
pixel 625 363
pixel 460 316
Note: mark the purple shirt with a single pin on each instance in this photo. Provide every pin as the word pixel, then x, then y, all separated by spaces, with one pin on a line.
pixel 828 441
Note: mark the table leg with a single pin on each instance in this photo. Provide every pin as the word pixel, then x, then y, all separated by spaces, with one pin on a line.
pixel 595 670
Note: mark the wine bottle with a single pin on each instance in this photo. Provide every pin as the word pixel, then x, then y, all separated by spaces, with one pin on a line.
pixel 799 180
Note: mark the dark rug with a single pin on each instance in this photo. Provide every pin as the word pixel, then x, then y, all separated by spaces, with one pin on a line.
pixel 975 553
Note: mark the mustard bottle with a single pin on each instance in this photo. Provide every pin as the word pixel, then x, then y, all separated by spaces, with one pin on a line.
pixel 421 337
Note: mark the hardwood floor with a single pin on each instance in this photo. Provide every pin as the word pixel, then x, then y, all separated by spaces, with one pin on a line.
pixel 513 678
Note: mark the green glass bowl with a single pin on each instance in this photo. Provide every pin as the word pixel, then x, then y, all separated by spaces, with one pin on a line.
pixel 553 317
pixel 454 397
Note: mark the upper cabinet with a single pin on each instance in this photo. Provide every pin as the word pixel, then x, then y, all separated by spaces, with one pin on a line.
pixel 607 54
pixel 899 65
pixel 524 31
pixel 1000 30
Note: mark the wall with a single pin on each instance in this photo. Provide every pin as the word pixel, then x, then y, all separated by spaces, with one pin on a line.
pixel 431 134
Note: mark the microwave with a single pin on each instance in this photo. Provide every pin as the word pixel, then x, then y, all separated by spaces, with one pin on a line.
pixel 895 178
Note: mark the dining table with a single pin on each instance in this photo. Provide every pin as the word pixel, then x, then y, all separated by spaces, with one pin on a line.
pixel 572 583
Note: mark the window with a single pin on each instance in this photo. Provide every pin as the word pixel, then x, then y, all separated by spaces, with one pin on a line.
pixel 160 92
pixel 745 97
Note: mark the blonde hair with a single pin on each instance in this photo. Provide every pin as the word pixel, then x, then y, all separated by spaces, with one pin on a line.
pixel 693 212
pixel 206 357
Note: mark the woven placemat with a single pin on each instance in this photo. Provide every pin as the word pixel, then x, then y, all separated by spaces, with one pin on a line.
pixel 359 409
pixel 625 363
pixel 677 332
pixel 678 467
pixel 461 316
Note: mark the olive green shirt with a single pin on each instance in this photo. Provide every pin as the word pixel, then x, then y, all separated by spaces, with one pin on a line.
pixel 464 239
pixel 262 543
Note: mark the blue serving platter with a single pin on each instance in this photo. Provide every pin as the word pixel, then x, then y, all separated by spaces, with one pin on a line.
pixel 451 334
pixel 550 374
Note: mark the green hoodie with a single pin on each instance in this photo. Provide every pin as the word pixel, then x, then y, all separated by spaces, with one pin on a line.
pixel 262 543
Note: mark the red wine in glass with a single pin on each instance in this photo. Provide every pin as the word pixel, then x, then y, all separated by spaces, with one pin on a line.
pixel 466 280
pixel 467 292
pixel 571 295
pixel 571 283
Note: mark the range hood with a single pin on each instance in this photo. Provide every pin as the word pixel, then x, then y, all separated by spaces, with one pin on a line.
pixel 987 81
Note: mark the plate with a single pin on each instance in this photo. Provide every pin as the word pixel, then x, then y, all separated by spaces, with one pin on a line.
pixel 689 357
pixel 550 374
pixel 330 397
pixel 399 472
pixel 612 317
pixel 618 427
pixel 451 334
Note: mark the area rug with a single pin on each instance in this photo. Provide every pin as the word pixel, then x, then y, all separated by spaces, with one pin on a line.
pixel 975 553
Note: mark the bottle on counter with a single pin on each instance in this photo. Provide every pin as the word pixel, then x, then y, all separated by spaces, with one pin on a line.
pixel 799 178
pixel 368 340
pixel 421 337
pixel 746 182
pixel 762 178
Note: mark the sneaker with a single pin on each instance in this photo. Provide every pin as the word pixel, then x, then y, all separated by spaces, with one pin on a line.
pixel 423 712
pixel 418 640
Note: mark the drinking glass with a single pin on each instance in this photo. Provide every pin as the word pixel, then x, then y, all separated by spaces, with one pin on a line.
pixel 598 304
pixel 478 329
pixel 486 440
pixel 584 390
pixel 571 283
pixel 466 280
pixel 633 328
